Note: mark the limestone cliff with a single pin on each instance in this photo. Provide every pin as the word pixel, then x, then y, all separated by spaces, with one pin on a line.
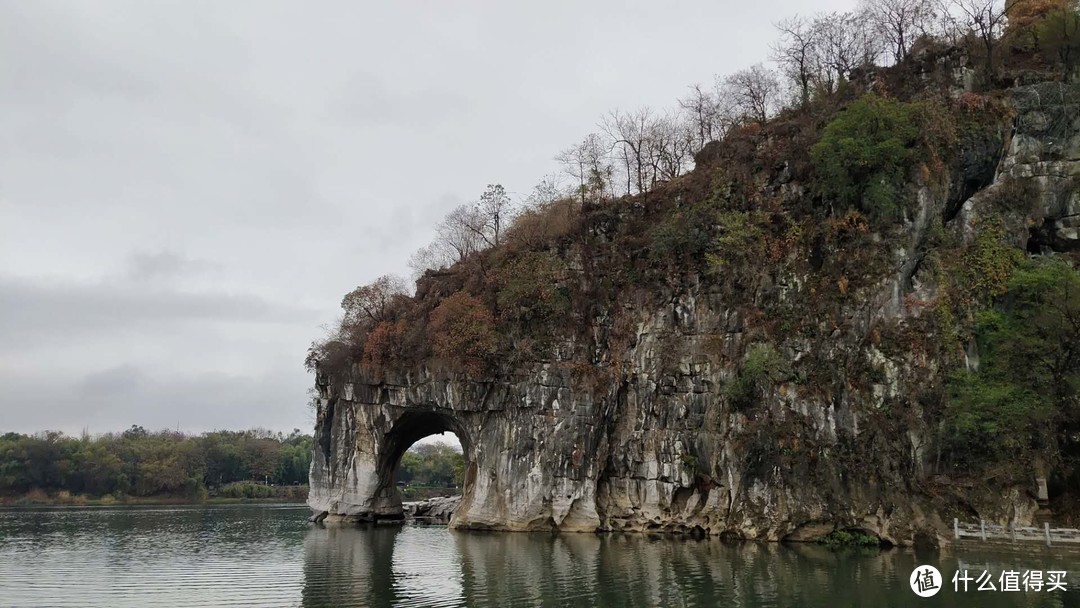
pixel 639 412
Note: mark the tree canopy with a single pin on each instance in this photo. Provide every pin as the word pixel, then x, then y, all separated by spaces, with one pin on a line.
pixel 142 463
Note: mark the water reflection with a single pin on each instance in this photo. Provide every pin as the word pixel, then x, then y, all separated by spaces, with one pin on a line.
pixel 150 556
pixel 381 566
pixel 428 566
pixel 249 555
pixel 349 567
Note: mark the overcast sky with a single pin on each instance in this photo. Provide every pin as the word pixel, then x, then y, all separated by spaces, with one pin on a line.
pixel 188 188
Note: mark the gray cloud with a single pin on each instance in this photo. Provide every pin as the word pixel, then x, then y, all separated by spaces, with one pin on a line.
pixel 33 312
pixel 164 265
pixel 367 100
pixel 114 399
pixel 112 383
pixel 187 189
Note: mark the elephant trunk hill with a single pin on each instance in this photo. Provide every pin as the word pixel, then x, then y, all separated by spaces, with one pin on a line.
pixel 862 315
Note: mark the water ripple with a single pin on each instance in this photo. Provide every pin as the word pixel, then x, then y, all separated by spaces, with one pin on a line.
pixel 268 556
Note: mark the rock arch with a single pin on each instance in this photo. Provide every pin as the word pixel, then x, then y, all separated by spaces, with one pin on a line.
pixel 525 451
pixel 411 426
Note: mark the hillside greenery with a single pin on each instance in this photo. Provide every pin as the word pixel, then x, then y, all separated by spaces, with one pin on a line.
pixel 1021 403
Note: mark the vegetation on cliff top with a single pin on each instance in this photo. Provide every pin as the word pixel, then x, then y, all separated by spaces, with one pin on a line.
pixel 794 215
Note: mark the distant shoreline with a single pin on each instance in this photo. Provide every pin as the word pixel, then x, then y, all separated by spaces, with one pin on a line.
pixel 107 501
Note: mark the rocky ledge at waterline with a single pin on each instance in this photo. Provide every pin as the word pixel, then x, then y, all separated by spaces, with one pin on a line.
pixel 433 510
pixel 439 509
pixel 780 385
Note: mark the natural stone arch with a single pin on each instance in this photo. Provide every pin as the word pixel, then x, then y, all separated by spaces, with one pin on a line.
pixel 532 450
pixel 411 426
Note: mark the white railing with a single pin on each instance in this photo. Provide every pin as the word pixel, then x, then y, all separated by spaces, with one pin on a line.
pixel 985 531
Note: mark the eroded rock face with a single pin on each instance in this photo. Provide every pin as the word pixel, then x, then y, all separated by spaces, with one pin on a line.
pixel 1044 153
pixel 525 443
pixel 647 441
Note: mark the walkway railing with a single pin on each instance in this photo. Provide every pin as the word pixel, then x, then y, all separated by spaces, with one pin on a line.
pixel 985 531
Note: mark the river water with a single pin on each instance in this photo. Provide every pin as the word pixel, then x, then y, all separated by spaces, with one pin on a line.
pixel 267 555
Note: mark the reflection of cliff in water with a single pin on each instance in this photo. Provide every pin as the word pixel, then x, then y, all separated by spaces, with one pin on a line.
pixel 379 566
pixel 349 567
pixel 632 570
pixel 500 569
pixel 432 566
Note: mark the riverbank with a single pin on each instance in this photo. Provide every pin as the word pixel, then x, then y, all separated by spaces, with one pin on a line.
pixel 297 494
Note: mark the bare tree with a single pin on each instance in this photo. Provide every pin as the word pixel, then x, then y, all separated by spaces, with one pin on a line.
pixel 898 22
pixel 369 304
pixel 845 42
pixel 433 256
pixel 575 161
pixel 703 110
pixel 587 163
pixel 946 26
pixel 457 232
pixel 601 177
pixel 545 192
pixel 728 111
pixel 464 231
pixel 797 53
pixel 672 145
pixel 493 211
pixel 754 92
pixel 629 133
pixel 985 19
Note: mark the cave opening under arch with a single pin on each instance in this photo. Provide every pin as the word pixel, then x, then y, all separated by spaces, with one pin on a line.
pixel 411 429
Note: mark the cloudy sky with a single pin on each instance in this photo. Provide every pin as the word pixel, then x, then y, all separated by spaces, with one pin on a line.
pixel 188 188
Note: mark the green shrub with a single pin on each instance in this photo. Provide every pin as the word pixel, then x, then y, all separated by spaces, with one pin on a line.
pixel 1059 35
pixel 691 463
pixel 529 288
pixel 849 538
pixel 864 154
pixel 432 465
pixel 986 265
pixel 245 489
pixel 740 243
pixel 1023 402
pixel 761 367
pixel 684 236
pixel 193 488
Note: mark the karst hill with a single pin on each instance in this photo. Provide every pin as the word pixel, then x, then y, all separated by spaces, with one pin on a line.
pixel 862 313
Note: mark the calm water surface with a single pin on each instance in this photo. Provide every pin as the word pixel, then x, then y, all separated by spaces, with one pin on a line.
pixel 243 555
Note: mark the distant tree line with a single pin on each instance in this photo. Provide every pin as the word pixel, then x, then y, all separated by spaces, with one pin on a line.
pixel 138 462
pixel 433 465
